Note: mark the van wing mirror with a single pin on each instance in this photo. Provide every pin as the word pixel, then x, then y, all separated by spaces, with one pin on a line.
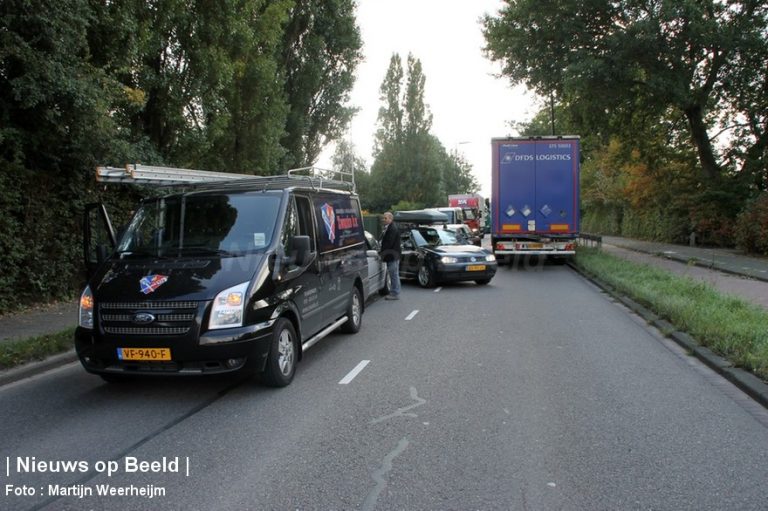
pixel 302 250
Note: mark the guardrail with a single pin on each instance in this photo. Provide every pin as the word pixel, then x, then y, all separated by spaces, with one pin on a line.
pixel 591 240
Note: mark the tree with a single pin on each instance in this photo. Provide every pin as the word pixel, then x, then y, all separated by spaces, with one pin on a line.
pixel 346 161
pixel 186 83
pixel 54 127
pixel 457 176
pixel 620 63
pixel 418 117
pixel 410 164
pixel 390 118
pixel 321 50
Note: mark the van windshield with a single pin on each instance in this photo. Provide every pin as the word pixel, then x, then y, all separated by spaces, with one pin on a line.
pixel 231 224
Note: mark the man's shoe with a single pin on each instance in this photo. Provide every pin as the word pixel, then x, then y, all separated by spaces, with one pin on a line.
pixel 391 297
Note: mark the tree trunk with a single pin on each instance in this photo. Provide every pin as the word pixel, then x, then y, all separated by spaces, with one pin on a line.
pixel 701 140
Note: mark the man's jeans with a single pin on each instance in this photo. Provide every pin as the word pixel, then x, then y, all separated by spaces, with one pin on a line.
pixel 393 270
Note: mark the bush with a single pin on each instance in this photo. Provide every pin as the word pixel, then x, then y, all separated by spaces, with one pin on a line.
pixel 752 226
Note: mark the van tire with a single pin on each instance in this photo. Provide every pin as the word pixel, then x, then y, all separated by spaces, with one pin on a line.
pixel 283 353
pixel 354 313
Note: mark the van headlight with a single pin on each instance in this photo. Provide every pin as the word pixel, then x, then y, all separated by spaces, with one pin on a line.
pixel 490 258
pixel 228 307
pixel 86 309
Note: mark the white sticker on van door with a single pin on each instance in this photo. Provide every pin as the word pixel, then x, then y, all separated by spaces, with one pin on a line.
pixel 259 239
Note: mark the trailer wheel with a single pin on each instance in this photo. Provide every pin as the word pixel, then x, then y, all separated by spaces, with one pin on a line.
pixel 426 276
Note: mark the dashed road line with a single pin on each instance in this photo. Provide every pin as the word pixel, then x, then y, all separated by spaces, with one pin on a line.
pixel 411 315
pixel 354 372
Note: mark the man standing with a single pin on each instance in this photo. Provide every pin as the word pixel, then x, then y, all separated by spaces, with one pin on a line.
pixel 390 254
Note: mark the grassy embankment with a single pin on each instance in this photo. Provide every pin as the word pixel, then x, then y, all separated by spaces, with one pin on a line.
pixel 17 352
pixel 730 326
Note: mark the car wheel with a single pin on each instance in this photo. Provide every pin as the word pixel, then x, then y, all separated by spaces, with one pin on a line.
pixel 354 313
pixel 426 276
pixel 281 361
pixel 482 282
pixel 387 285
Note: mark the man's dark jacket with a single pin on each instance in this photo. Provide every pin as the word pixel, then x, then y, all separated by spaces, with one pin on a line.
pixel 390 244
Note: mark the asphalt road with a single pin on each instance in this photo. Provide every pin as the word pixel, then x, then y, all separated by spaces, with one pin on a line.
pixel 535 392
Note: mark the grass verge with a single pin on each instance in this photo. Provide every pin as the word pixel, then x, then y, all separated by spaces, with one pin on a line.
pixel 730 326
pixel 17 352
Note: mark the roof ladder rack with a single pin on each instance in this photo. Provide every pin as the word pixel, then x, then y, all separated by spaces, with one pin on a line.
pixel 138 174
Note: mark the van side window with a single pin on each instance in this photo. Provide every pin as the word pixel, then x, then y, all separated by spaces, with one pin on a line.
pixel 290 228
pixel 304 211
pixel 298 222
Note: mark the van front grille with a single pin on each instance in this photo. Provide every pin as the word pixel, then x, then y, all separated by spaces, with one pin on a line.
pixel 145 331
pixel 149 305
pixel 147 318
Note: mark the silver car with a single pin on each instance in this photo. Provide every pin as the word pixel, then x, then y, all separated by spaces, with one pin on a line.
pixel 378 280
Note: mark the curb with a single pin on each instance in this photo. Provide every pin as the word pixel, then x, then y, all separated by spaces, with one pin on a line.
pixel 33 368
pixel 750 384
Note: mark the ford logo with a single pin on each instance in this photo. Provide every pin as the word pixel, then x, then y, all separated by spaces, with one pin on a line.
pixel 142 318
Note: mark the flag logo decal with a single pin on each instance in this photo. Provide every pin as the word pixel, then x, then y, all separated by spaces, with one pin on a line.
pixel 150 283
pixel 329 219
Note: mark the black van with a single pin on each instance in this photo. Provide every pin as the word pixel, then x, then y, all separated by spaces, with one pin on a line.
pixel 236 276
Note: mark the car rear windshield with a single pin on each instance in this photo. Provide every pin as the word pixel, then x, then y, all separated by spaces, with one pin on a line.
pixel 226 224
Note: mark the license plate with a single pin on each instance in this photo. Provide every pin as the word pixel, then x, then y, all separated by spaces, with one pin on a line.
pixel 476 267
pixel 535 245
pixel 144 354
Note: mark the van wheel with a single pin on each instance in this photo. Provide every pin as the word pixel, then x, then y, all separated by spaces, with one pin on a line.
pixel 281 361
pixel 354 313
pixel 426 277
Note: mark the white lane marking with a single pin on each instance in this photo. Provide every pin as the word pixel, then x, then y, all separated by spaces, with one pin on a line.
pixel 411 315
pixel 354 372
pixel 438 289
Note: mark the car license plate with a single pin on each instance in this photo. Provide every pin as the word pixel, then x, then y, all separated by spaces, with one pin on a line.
pixel 144 354
pixel 476 267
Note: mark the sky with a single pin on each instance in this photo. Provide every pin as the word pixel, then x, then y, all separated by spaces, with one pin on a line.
pixel 469 104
